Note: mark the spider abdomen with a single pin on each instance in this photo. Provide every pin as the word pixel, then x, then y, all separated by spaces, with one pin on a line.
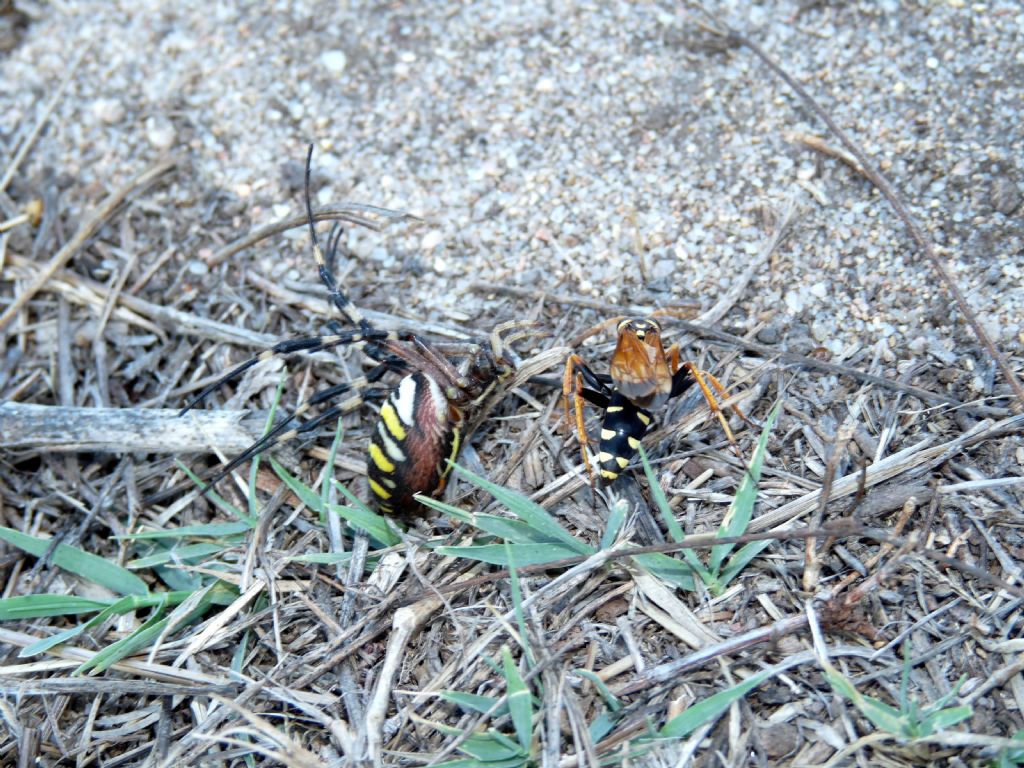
pixel 418 432
pixel 623 428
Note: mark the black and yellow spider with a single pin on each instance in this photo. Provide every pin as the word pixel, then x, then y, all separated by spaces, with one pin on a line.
pixel 446 390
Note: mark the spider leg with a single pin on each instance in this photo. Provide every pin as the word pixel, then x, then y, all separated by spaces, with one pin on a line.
pixel 333 243
pixel 289 347
pixel 340 300
pixel 523 330
pixel 285 430
pixel 681 311
pixel 431 362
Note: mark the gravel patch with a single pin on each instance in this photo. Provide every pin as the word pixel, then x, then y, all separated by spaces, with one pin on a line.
pixel 597 149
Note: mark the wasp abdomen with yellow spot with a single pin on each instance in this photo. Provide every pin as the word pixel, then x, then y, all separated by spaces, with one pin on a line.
pixel 623 428
pixel 418 433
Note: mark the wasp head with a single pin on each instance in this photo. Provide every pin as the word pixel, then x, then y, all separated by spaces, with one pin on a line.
pixel 639 368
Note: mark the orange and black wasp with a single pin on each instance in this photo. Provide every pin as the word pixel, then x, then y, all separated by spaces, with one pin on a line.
pixel 643 376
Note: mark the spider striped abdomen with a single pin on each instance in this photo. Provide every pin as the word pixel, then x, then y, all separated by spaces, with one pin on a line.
pixel 417 433
pixel 624 426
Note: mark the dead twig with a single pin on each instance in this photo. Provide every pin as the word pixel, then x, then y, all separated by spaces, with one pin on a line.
pixel 406 623
pixel 728 338
pixel 44 116
pixel 369 216
pixel 872 174
pixel 812 556
pixel 122 430
pixel 89 228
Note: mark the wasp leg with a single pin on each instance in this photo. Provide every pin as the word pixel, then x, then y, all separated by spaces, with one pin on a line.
pixel 576 373
pixel 599 385
pixel 709 397
pixel 581 428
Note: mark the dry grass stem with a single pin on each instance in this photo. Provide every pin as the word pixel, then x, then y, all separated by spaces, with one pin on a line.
pixel 837 582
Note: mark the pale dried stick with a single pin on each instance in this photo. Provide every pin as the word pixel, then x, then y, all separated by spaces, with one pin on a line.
pixel 91 225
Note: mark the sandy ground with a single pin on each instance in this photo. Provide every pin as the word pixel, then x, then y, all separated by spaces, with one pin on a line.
pixel 593 149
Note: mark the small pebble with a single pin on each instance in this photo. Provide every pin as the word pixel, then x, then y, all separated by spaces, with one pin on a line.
pixel 780 740
pixel 769 335
pixel 109 111
pixel 334 61
pixel 159 132
pixel 663 268
pixel 1006 196
pixel 431 240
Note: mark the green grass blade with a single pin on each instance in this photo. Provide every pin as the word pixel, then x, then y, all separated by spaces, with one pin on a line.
pixel 40 606
pixel 520 702
pixel 469 762
pixel 42 646
pixel 517 604
pixel 711 708
pixel 473 702
pixel 524 554
pixel 944 719
pixel 321 558
pixel 616 517
pixel 254 465
pixel 362 517
pixel 947 697
pixel 375 525
pixel 83 564
pixel 124 605
pixel 1011 758
pixel 529 512
pixel 881 715
pixel 660 501
pixel 610 701
pixel 354 500
pixel 215 498
pixel 741 511
pixel 205 530
pixel 328 472
pixel 489 746
pixel 191 608
pixel 148 632
pixel 675 572
pixel 186 553
pixel 506 528
pixel 602 725
pixel 743 557
pixel 306 494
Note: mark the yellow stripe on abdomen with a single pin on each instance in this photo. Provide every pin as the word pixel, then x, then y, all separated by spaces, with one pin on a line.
pixel 379 491
pixel 392 422
pixel 380 460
